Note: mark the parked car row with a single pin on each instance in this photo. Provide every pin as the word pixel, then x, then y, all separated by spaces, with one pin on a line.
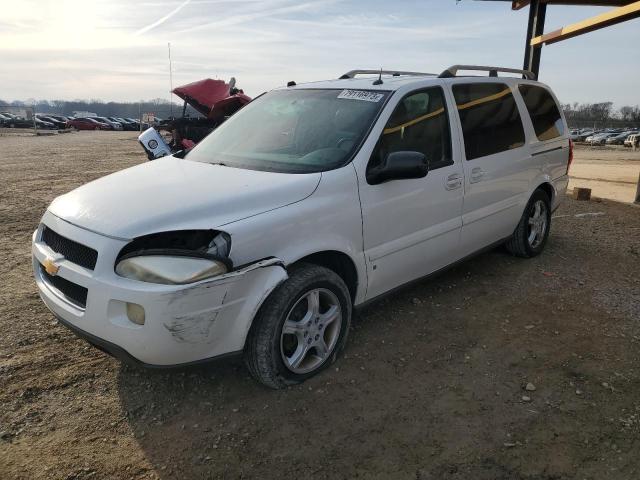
pixel 9 120
pixel 609 136
pixel 58 122
pixel 620 138
pixel 104 123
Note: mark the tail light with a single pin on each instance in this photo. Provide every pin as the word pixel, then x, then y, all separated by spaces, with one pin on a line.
pixel 570 155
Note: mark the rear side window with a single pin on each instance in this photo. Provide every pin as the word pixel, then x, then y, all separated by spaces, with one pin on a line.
pixel 419 123
pixel 543 111
pixel 490 119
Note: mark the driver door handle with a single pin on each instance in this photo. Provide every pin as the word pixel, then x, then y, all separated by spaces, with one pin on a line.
pixel 453 182
pixel 476 175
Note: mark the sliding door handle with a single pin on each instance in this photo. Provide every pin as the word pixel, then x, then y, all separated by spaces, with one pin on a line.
pixel 476 174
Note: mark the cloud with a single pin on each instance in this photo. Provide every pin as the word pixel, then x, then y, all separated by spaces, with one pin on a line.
pixel 269 11
pixel 163 19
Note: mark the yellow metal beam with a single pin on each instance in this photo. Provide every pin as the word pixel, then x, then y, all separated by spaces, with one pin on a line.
pixel 518 4
pixel 612 17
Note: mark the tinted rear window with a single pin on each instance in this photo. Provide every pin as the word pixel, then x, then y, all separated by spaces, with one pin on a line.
pixel 490 119
pixel 543 111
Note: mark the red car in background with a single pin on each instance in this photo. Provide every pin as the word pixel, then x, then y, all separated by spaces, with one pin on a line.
pixel 214 100
pixel 87 124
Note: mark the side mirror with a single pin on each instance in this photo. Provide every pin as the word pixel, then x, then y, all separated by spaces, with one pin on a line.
pixel 399 165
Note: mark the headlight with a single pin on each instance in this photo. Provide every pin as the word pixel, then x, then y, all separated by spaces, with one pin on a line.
pixel 170 269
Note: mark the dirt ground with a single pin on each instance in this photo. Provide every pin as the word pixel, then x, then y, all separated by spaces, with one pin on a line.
pixel 611 172
pixel 432 384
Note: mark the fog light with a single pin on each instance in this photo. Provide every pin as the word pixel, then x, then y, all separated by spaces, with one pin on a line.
pixel 135 313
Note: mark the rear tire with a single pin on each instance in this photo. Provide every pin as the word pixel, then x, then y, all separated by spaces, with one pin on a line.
pixel 530 236
pixel 300 328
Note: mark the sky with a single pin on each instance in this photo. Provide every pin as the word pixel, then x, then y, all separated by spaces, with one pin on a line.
pixel 116 50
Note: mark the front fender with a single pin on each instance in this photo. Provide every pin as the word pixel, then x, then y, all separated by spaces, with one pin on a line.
pixel 236 297
pixel 329 219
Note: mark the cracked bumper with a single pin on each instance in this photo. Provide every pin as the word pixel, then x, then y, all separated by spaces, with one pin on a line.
pixel 183 323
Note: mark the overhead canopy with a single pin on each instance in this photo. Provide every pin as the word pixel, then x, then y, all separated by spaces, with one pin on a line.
pixel 211 97
pixel 621 11
pixel 612 17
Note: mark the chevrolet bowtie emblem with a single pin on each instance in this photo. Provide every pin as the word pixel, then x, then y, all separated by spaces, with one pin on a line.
pixel 50 266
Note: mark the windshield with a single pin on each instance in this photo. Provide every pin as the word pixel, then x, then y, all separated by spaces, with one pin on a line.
pixel 293 131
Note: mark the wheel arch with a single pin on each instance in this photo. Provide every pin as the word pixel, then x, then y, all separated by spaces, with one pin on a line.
pixel 547 188
pixel 339 262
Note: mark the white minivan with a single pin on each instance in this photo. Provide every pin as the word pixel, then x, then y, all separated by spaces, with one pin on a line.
pixel 310 201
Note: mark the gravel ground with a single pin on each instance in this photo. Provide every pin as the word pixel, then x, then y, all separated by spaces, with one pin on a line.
pixel 500 368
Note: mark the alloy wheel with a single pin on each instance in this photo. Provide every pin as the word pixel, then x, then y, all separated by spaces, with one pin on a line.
pixel 537 224
pixel 311 330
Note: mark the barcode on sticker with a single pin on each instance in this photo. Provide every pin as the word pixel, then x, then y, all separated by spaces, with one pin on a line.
pixel 361 95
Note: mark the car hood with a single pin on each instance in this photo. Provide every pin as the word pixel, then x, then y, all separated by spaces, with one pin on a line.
pixel 174 194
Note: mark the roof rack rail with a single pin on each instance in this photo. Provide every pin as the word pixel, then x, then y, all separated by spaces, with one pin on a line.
pixel 395 73
pixel 493 71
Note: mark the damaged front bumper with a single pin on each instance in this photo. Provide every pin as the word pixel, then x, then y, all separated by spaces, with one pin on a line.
pixel 183 323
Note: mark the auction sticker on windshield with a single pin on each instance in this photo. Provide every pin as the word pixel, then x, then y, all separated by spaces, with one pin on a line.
pixel 361 95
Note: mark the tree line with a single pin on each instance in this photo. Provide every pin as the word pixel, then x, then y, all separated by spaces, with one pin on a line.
pixel 601 115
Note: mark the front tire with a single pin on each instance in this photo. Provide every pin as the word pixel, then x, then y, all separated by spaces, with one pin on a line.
pixel 300 328
pixel 530 236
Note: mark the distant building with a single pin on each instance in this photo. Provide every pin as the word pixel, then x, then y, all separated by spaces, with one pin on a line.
pixel 79 114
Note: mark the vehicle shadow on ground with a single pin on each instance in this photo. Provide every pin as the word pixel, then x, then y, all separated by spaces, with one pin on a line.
pixel 373 411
